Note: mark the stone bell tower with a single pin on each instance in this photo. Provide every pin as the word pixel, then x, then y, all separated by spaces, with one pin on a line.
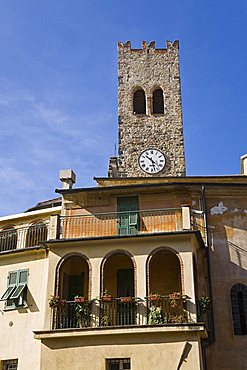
pixel 150 128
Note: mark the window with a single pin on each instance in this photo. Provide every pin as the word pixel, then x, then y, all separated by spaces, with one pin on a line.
pixel 139 102
pixel 16 292
pixel 8 239
pixel 36 233
pixel 239 309
pixel 158 102
pixel 118 364
pixel 10 364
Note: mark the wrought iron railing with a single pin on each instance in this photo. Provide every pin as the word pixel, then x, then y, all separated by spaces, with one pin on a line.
pixel 121 223
pixel 23 237
pixel 167 309
pixel 118 312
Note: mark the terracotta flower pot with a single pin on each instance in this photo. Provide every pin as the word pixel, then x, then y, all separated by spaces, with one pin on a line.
pixel 106 298
pixel 79 299
pixel 125 299
pixel 154 297
pixel 175 295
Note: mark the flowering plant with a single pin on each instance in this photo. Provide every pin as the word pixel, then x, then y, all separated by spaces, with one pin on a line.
pixel 55 301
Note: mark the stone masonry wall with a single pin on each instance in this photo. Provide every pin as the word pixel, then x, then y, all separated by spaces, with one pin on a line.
pixel 149 68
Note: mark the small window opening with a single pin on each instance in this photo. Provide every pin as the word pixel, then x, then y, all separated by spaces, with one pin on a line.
pixel 241 313
pixel 118 364
pixel 10 364
pixel 239 309
pixel 158 102
pixel 139 102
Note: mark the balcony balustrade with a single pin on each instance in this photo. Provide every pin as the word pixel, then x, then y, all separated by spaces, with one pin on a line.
pixel 23 237
pixel 119 312
pixel 121 223
pixel 101 225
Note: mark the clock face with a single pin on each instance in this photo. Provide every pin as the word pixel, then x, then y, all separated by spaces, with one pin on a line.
pixel 152 161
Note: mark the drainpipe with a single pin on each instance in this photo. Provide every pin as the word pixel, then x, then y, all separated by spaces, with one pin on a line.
pixel 211 339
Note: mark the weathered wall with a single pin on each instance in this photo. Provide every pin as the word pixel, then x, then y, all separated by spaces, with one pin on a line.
pixel 150 68
pixel 227 220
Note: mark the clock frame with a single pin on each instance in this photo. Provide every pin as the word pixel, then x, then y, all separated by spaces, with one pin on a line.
pixel 152 161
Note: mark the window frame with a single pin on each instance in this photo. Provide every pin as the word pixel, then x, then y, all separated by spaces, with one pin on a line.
pixel 5 363
pixel 120 362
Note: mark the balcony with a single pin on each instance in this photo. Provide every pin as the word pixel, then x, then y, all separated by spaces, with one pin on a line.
pixel 121 223
pixel 20 237
pixel 100 225
pixel 120 312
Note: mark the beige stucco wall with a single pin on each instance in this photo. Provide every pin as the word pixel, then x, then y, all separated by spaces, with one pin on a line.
pixel 16 326
pixel 147 351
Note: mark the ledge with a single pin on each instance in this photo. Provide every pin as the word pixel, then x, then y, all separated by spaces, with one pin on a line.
pixel 22 250
pixel 144 329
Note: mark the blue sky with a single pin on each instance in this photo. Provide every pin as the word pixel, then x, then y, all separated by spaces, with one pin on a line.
pixel 58 86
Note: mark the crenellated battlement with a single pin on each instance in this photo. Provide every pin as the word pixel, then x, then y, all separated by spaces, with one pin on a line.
pixel 145 46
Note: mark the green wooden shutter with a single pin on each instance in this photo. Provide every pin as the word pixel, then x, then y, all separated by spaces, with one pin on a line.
pixel 18 293
pixel 23 276
pixel 11 285
pixel 128 215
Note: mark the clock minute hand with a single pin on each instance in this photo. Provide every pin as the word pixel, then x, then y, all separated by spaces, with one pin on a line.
pixel 150 159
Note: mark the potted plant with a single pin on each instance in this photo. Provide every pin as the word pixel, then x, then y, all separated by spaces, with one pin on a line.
pixel 106 297
pixel 156 316
pixel 79 299
pixel 105 321
pixel 56 301
pixel 154 297
pixel 82 312
pixel 175 295
pixel 203 305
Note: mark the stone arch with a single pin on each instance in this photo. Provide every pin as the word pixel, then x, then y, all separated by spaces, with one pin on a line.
pixel 111 254
pixel 8 238
pixel 36 233
pixel 58 273
pixel 180 268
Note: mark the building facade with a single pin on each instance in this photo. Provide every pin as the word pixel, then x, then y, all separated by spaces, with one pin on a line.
pixel 145 270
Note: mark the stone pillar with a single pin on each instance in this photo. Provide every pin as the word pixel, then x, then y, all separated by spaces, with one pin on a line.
pixel 186 217
pixel 141 283
pixel 54 227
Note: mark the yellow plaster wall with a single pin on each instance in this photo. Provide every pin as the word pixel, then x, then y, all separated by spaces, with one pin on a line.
pixel 147 351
